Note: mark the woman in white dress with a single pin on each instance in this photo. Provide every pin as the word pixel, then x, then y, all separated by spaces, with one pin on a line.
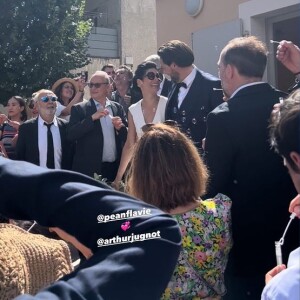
pixel 150 109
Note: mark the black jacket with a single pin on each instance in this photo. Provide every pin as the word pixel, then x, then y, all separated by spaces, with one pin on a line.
pixel 28 146
pixel 73 202
pixel 88 137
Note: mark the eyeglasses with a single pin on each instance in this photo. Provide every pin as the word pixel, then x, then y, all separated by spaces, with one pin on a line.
pixel 97 85
pixel 171 123
pixel 48 98
pixel 152 75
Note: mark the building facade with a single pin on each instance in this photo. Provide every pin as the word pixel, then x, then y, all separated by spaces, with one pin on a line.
pixel 127 31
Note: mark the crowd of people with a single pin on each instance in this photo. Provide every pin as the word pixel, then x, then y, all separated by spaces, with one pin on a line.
pixel 199 151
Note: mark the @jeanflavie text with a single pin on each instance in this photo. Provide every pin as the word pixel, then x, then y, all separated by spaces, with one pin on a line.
pixel 129 214
pixel 116 240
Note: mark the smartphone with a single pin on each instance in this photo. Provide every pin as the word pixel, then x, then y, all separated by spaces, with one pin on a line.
pixel 84 75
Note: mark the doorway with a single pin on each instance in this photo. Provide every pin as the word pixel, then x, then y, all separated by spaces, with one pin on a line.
pixel 283 27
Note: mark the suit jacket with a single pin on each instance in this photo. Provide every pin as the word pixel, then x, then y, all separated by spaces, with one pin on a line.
pixel 88 136
pixel 199 101
pixel 166 88
pixel 75 203
pixel 243 166
pixel 28 148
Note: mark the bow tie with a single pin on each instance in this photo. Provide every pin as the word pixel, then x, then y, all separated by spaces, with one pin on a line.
pixel 181 84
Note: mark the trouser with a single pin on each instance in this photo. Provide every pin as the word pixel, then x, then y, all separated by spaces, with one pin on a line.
pixel 109 170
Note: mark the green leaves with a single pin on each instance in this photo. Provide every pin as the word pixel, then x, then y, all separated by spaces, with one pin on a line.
pixel 40 42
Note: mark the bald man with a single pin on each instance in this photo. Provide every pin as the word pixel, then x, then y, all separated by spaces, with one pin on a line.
pixel 99 129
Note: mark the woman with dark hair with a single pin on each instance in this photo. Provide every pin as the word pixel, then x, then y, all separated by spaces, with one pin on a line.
pixel 150 109
pixel 9 125
pixel 167 172
pixel 69 92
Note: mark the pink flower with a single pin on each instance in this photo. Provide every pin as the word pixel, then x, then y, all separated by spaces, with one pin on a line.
pixel 200 255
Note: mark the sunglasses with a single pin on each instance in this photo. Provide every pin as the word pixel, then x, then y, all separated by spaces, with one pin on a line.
pixel 171 123
pixel 97 85
pixel 48 98
pixel 152 75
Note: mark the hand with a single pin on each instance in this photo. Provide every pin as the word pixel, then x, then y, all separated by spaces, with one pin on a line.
pixel 3 118
pixel 295 206
pixel 274 272
pixel 14 124
pixel 116 184
pixel 289 55
pixel 275 110
pixel 2 150
pixel 99 114
pixel 81 84
pixel 117 122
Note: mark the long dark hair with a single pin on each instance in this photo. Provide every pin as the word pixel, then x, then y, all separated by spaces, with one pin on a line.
pixel 22 103
pixel 58 92
pixel 140 73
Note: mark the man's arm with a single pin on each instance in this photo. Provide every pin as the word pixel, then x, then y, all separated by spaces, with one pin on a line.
pixel 79 124
pixel 21 143
pixel 218 155
pixel 134 267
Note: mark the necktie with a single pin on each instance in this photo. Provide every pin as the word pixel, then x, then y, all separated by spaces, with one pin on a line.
pixel 50 147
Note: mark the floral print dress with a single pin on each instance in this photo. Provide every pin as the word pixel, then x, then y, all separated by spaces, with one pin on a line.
pixel 206 241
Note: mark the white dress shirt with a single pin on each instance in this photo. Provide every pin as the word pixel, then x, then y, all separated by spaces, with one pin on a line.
pixel 183 91
pixel 43 143
pixel 109 141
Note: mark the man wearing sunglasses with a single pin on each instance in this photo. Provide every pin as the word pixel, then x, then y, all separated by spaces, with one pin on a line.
pixel 99 129
pixel 43 140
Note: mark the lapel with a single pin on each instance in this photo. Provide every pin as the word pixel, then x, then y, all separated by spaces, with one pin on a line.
pixel 91 109
pixel 62 131
pixel 35 140
pixel 114 109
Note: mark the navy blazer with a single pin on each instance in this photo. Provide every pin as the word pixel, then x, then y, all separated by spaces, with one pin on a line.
pixel 166 87
pixel 75 203
pixel 243 166
pixel 204 95
pixel 88 136
pixel 27 148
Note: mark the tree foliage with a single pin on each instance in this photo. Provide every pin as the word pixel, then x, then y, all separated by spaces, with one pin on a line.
pixel 40 42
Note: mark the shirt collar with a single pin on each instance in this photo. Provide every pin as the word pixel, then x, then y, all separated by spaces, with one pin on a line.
pixel 188 80
pixel 42 121
pixel 243 86
pixel 107 103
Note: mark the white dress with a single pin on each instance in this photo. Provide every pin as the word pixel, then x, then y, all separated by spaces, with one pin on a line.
pixel 138 117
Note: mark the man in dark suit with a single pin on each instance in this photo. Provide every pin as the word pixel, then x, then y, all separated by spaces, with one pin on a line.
pixel 133 262
pixel 32 144
pixel 194 93
pixel 243 166
pixel 99 129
